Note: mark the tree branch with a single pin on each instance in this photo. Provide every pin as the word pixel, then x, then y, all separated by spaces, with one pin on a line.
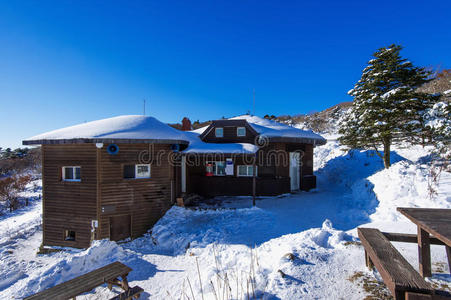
pixel 377 151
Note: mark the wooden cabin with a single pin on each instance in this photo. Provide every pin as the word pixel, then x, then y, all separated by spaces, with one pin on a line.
pixel 230 149
pixel 114 178
pixel 111 178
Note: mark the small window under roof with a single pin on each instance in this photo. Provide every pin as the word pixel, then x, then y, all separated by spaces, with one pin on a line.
pixel 241 131
pixel 219 132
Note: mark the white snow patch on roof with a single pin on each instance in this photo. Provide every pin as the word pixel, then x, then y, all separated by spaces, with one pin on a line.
pixel 121 127
pixel 200 130
pixel 196 145
pixel 271 128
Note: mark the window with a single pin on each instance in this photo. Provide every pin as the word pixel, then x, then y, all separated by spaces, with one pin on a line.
pixel 69 235
pixel 216 168
pixel 142 171
pixel 246 170
pixel 219 132
pixel 72 173
pixel 241 131
pixel 137 171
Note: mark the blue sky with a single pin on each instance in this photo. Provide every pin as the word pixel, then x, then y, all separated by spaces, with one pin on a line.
pixel 67 62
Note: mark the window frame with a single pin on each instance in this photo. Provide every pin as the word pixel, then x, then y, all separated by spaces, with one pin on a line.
pixel 136 171
pixel 247 171
pixel 238 130
pixel 135 167
pixel 215 169
pixel 74 172
pixel 216 132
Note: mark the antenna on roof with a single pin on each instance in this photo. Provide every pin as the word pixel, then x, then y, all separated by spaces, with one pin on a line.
pixel 144 106
pixel 253 107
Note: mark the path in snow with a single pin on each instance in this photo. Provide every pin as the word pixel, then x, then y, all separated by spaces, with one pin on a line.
pixel 353 190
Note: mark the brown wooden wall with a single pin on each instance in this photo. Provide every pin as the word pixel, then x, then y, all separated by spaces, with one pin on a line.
pixel 73 205
pixel 307 160
pixel 239 186
pixel 145 200
pixel 273 172
pixel 68 205
pixel 230 134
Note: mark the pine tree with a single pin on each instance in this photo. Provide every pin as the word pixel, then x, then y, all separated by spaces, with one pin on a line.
pixel 438 122
pixel 387 107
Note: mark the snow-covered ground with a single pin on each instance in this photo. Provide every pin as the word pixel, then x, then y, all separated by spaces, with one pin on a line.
pixel 289 247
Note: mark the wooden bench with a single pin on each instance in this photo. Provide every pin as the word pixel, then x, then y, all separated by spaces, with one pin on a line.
pixel 134 292
pixel 70 289
pixel 399 276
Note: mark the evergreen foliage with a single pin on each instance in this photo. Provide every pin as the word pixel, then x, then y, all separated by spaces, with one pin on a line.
pixel 388 107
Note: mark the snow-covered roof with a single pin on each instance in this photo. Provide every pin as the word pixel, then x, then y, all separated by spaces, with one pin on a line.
pixel 145 129
pixel 275 130
pixel 200 130
pixel 128 128
pixel 196 145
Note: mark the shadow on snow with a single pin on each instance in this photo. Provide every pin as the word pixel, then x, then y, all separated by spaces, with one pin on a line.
pixel 345 197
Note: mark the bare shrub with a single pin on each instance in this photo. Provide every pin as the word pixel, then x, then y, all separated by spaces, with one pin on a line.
pixel 10 187
pixel 19 161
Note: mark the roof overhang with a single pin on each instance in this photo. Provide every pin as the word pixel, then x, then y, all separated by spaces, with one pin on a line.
pixel 217 153
pixel 301 140
pixel 101 140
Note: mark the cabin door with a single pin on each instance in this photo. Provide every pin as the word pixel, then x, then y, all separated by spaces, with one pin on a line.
pixel 295 170
pixel 120 227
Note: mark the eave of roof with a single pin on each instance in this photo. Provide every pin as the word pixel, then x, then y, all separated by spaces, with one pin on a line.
pixel 106 141
pixel 302 140
pixel 120 129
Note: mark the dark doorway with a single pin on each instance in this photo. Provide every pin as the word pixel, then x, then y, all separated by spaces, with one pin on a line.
pixel 120 227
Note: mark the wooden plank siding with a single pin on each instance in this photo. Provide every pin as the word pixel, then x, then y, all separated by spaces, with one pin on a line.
pixel 145 200
pixel 230 132
pixel 68 205
pixel 273 173
pixel 104 194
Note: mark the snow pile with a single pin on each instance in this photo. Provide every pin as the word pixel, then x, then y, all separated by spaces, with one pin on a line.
pixel 98 255
pixel 380 191
pixel 303 255
pixel 406 184
pixel 182 228
pixel 121 127
pixel 346 169
pixel 296 246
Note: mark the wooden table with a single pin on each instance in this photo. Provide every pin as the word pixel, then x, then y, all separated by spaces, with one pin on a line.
pixel 430 221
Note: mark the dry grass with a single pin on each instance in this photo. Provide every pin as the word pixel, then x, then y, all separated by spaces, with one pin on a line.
pixel 438 267
pixel 353 243
pixel 374 288
pixel 227 284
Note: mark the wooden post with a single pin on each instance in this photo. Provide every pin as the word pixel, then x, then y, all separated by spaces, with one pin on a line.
pixel 424 252
pixel 368 261
pixel 254 180
pixel 448 253
pixel 417 296
pixel 124 283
